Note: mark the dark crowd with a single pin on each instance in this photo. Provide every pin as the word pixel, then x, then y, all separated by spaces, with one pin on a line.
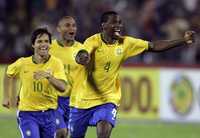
pixel 146 19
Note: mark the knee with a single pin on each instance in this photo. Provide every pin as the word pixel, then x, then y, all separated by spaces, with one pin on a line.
pixel 104 129
pixel 61 133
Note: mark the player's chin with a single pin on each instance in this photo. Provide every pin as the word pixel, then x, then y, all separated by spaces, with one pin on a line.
pixel 115 37
pixel 70 37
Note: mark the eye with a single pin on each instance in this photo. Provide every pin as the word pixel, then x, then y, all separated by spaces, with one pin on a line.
pixel 67 25
pixel 46 41
pixel 39 41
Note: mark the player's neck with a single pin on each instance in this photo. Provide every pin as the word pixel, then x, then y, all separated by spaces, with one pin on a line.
pixel 67 43
pixel 38 59
pixel 107 39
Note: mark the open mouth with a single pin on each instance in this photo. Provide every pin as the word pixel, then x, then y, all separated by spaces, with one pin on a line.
pixel 43 49
pixel 71 33
pixel 117 32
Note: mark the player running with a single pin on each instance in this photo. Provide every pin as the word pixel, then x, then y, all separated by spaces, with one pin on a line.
pixel 41 75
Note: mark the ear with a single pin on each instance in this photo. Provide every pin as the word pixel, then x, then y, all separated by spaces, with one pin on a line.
pixel 33 46
pixel 103 25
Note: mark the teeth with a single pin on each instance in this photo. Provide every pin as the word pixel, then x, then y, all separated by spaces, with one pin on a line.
pixel 117 34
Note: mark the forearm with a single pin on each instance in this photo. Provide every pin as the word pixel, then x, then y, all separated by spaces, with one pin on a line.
pixel 59 85
pixel 14 95
pixel 7 83
pixel 166 44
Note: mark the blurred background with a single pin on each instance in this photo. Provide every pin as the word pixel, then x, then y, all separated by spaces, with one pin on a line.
pixel 161 91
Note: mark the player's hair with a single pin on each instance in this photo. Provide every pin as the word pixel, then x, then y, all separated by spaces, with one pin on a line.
pixel 38 32
pixel 105 16
pixel 63 18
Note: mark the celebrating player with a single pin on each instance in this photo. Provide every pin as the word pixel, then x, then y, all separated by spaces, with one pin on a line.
pixel 65 49
pixel 97 100
pixel 41 76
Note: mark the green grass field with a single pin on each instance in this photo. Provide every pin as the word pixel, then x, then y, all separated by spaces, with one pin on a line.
pixel 124 129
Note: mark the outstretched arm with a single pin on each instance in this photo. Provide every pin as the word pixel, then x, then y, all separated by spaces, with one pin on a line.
pixel 167 44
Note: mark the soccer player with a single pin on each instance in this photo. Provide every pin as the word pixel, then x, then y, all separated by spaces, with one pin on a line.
pixel 41 76
pixel 97 101
pixel 65 49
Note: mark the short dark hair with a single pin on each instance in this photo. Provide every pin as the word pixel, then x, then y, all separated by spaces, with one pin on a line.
pixel 105 16
pixel 40 31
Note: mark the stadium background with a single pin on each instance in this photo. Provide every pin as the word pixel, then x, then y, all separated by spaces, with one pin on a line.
pixel 161 91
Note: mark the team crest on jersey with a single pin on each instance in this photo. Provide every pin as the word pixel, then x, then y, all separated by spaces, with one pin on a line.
pixel 119 51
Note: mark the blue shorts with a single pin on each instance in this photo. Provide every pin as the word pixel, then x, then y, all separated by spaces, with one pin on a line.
pixel 37 124
pixel 62 113
pixel 80 119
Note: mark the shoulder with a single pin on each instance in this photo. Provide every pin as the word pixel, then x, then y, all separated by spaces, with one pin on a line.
pixel 93 38
pixel 55 60
pixel 130 39
pixel 54 43
pixel 24 59
pixel 78 44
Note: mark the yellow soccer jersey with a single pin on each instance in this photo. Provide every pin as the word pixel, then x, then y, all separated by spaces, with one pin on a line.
pixel 34 94
pixel 67 55
pixel 108 59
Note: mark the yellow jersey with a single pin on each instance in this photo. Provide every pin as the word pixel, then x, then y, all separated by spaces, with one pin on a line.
pixel 36 95
pixel 67 55
pixel 108 58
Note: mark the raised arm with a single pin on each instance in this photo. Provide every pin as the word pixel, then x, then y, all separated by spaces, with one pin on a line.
pixel 161 45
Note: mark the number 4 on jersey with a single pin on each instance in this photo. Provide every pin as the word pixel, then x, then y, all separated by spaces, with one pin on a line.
pixel 107 66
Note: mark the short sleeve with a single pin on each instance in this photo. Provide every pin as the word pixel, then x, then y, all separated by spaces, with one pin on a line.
pixel 91 43
pixel 14 69
pixel 134 46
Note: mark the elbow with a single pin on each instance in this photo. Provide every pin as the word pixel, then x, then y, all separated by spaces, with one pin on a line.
pixel 62 88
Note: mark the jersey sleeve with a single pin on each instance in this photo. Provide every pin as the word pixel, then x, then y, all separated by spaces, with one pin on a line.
pixel 134 46
pixel 90 43
pixel 14 69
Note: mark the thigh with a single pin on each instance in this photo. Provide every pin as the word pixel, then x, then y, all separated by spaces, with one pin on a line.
pixel 60 121
pixel 48 127
pixel 62 113
pixel 78 122
pixel 106 112
pixel 28 126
